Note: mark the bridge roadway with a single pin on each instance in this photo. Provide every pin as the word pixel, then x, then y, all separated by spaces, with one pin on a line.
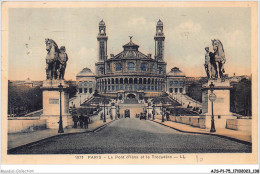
pixel 131 135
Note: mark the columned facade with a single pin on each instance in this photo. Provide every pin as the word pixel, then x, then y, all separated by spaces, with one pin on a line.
pixel 130 83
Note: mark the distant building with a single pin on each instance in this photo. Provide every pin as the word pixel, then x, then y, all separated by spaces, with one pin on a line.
pixel 131 73
pixel 176 81
pixel 28 82
pixel 86 82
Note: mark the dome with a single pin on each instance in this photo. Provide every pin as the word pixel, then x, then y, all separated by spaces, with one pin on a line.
pixel 85 72
pixel 159 22
pixel 176 72
pixel 28 80
pixel 102 22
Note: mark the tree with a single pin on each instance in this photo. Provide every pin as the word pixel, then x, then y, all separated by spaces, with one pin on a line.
pixel 240 98
pixel 23 99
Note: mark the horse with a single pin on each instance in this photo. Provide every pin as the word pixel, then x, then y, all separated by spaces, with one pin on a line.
pixel 220 58
pixel 52 59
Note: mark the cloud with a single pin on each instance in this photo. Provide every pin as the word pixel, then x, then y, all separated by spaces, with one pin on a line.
pixel 187 29
pixel 79 59
pixel 137 21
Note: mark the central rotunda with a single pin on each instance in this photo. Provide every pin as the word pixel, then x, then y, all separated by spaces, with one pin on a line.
pixel 130 73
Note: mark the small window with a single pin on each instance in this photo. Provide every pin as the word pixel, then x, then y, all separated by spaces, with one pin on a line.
pixel 170 90
pixel 176 90
pixel 118 66
pixel 175 83
pixel 108 67
pixel 153 67
pixel 143 67
pixel 90 90
pixel 85 90
pixel 101 70
pixel 130 66
pixel 180 90
pixel 160 70
pixel 80 90
pixel 171 83
pixel 181 83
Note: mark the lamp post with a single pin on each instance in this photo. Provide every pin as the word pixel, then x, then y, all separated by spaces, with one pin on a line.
pixel 153 111
pixel 162 110
pixel 212 98
pixel 104 119
pixel 60 122
pixel 80 99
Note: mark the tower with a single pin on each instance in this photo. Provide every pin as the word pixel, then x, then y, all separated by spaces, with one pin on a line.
pixel 102 48
pixel 159 41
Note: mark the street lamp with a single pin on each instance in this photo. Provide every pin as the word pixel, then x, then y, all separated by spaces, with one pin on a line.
pixel 162 110
pixel 153 111
pixel 80 99
pixel 212 98
pixel 104 100
pixel 60 122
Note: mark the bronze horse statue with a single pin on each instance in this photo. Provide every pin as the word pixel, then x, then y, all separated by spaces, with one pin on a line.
pixel 56 60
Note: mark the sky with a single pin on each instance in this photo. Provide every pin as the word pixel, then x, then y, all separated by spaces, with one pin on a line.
pixel 187 32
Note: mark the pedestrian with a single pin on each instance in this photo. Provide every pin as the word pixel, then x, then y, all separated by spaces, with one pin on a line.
pixel 86 122
pixel 81 120
pixel 167 116
pixel 75 120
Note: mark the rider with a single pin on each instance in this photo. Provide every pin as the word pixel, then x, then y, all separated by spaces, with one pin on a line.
pixel 63 58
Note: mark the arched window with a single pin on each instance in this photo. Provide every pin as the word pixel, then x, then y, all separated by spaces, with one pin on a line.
pixel 101 70
pixel 130 66
pixel 143 67
pixel 118 66
pixel 153 67
pixel 160 70
pixel 108 67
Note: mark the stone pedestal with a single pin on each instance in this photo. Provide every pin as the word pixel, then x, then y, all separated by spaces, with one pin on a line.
pixel 221 106
pixel 51 104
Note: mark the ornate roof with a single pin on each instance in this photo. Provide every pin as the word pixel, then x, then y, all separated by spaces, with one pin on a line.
pixel 159 22
pixel 130 51
pixel 85 72
pixel 176 72
pixel 102 22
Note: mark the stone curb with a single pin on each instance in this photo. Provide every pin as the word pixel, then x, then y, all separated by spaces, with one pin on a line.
pixel 44 139
pixel 204 133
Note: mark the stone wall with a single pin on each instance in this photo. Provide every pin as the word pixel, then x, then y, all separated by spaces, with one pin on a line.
pixel 239 124
pixel 194 121
pixel 25 125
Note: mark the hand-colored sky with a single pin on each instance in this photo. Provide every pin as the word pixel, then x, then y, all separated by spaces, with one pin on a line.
pixel 188 31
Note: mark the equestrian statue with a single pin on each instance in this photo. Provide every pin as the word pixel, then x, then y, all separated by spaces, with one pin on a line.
pixel 56 60
pixel 214 61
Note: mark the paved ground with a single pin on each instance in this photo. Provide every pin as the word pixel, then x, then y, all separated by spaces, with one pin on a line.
pixel 133 136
